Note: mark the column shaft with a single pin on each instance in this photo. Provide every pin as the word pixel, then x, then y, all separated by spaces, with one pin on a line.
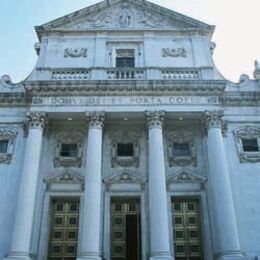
pixel 226 233
pixel 91 224
pixel 158 210
pixel 23 227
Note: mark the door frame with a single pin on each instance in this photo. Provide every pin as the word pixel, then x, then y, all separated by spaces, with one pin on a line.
pixel 143 218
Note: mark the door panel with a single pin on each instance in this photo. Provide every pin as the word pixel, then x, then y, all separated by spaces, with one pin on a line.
pixel 187 229
pixel 125 242
pixel 64 229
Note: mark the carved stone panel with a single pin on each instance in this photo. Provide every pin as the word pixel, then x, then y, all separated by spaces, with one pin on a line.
pixel 123 15
pixel 174 53
pixel 181 136
pixel 247 133
pixel 7 137
pixel 124 137
pixel 74 138
pixel 75 52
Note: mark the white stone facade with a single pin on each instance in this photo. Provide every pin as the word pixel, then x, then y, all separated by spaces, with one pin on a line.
pixel 171 95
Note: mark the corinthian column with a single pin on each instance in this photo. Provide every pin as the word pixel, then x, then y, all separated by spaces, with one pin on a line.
pixel 91 224
pixel 158 210
pixel 226 234
pixel 22 234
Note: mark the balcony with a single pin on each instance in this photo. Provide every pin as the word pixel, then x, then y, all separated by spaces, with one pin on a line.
pixel 145 73
pixel 126 73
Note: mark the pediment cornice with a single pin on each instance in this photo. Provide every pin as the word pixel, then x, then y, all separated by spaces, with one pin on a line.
pixel 184 175
pixel 124 176
pixel 124 15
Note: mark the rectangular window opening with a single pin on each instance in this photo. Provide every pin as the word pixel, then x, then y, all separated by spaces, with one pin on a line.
pixel 250 145
pixel 125 58
pixel 125 149
pixel 4 145
pixel 181 149
pixel 69 150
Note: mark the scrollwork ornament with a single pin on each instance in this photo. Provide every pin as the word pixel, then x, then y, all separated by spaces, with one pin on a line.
pixel 174 53
pixel 75 52
pixel 155 118
pixel 95 119
pixel 214 119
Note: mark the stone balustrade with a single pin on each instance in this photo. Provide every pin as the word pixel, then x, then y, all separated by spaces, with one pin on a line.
pixel 180 74
pixel 145 73
pixel 70 74
pixel 126 73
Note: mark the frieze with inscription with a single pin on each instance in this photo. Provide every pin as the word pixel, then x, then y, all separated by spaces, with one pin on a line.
pixel 123 101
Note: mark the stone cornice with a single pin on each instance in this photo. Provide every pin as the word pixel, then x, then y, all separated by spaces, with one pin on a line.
pixel 125 87
pixel 14 99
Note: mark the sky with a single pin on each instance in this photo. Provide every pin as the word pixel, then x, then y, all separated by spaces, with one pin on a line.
pixel 237 33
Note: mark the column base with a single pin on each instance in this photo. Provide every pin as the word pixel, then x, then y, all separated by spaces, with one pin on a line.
pixel 161 256
pixel 19 256
pixel 89 256
pixel 233 255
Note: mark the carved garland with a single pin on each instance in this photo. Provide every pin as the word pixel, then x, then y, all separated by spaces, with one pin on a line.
pixel 9 135
pixel 247 132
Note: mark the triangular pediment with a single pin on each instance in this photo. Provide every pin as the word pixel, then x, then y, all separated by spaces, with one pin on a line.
pixel 65 177
pixel 124 176
pixel 185 176
pixel 124 14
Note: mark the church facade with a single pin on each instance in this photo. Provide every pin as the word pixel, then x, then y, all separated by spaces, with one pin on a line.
pixel 126 143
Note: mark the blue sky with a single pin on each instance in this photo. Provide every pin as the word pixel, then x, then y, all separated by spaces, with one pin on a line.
pixel 237 32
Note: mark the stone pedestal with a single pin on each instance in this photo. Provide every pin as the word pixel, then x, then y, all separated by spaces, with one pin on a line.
pixel 23 227
pixel 158 210
pixel 226 234
pixel 91 222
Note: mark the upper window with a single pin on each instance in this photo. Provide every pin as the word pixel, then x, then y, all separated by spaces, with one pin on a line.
pixel 69 150
pixel 4 146
pixel 125 149
pixel 125 58
pixel 250 145
pixel 181 149
pixel 7 141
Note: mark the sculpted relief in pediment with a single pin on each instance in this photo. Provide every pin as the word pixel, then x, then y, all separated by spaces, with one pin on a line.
pixel 122 16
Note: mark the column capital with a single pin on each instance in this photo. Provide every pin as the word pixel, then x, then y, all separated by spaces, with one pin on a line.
pixel 214 119
pixel 155 118
pixel 95 119
pixel 36 120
